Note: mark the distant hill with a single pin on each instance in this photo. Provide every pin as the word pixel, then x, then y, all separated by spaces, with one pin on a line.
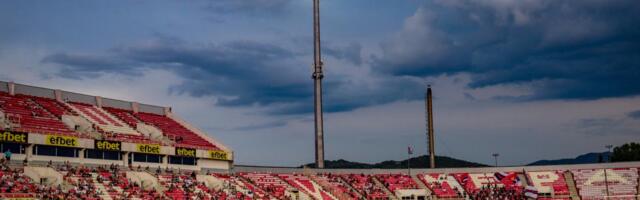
pixel 582 159
pixel 416 162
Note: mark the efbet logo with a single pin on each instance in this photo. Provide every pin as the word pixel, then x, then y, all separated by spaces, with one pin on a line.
pixel 185 152
pixel 108 145
pixel 148 148
pixel 218 155
pixel 13 137
pixel 61 141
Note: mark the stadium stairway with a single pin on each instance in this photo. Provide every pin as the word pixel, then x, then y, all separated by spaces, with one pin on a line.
pixel 323 194
pixel 391 195
pixel 199 132
pixel 152 132
pixel 145 180
pixel 101 118
pixel 241 184
pixel 421 184
pixel 247 183
pixel 306 186
pixel 333 187
pixel 573 190
pixel 360 196
pixel 83 125
pixel 48 175
pixel 100 187
pixel 212 182
pixel 32 102
pixel 301 191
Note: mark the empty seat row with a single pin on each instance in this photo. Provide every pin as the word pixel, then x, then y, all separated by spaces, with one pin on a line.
pixel 30 115
pixel 397 181
pixel 366 186
pixel 549 182
pixel 268 183
pixel 124 115
pixel 306 185
pixel 102 119
pixel 442 185
pixel 338 186
pixel 609 183
pixel 174 130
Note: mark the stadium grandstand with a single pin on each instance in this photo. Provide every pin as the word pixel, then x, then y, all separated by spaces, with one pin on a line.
pixel 63 145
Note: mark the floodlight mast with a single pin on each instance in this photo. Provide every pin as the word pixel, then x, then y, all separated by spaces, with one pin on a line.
pixel 430 132
pixel 317 86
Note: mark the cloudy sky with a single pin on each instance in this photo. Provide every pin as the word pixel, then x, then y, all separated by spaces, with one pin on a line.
pixel 529 79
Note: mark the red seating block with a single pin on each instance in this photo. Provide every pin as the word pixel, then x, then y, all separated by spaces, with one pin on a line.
pixel 31 116
pixel 174 130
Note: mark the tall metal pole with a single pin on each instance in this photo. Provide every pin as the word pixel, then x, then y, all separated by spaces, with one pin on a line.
pixel 608 152
pixel 606 182
pixel 317 85
pixel 409 163
pixel 430 134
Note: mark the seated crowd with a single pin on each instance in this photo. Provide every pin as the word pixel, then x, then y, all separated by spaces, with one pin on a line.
pixel 111 182
pixel 86 182
pixel 493 192
pixel 339 184
pixel 366 186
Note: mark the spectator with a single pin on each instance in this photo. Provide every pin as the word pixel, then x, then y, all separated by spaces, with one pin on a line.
pixel 7 155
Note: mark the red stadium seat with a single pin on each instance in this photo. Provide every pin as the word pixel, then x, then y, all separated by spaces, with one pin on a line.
pixel 172 129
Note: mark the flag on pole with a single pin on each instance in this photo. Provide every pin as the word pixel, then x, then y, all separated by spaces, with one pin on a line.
pixel 409 150
pixel 508 179
pixel 531 192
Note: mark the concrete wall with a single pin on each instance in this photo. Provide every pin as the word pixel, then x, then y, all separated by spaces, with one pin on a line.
pixel 4 87
pixel 77 97
pixel 213 164
pixel 34 91
pixel 151 109
pixel 114 103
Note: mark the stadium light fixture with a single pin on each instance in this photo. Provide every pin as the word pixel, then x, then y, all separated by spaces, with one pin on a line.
pixel 317 86
pixel 608 146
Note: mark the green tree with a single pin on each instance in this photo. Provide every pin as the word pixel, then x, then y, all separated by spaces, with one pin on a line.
pixel 626 152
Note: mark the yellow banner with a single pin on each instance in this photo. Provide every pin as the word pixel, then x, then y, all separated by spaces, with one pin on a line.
pixel 219 155
pixel 13 137
pixel 108 145
pixel 186 152
pixel 148 148
pixel 63 141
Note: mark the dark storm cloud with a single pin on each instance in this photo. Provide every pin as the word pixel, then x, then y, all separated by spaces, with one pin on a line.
pixel 242 73
pixel 248 6
pixel 605 126
pixel 349 52
pixel 634 114
pixel 262 126
pixel 85 61
pixel 77 66
pixel 566 49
